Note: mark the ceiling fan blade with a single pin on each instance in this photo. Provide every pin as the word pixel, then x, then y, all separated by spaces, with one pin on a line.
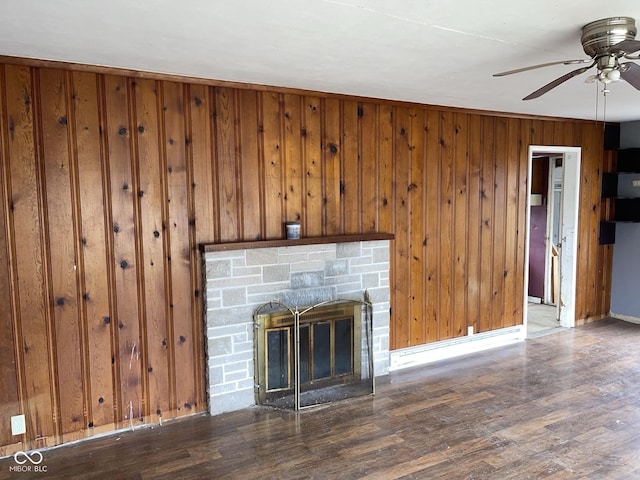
pixel 533 67
pixel 630 72
pixel 556 82
pixel 626 46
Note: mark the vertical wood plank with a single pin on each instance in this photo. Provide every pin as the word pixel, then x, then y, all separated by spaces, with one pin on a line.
pixel 487 206
pixel 550 130
pixel 447 254
pixel 511 225
pixel 537 132
pixel 180 328
pixel 368 187
pixel 461 222
pixel 93 254
pixel 350 186
pixel 521 209
pixel 293 158
pixel 194 326
pixel 593 163
pixel 153 237
pixel 312 173
pixel 432 227
pixel 332 167
pixel 250 166
pixel 474 253
pixel 498 272
pixel 417 238
pixel 401 259
pixel 202 152
pixel 273 165
pixel 227 164
pixel 385 169
pixel 205 211
pixel 385 196
pixel 125 250
pixel 202 148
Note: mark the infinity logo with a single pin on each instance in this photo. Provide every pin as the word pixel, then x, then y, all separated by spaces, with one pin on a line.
pixel 35 458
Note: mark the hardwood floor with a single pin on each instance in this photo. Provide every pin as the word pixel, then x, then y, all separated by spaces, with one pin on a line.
pixel 563 406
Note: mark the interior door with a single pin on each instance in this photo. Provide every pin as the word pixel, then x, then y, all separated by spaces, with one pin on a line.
pixel 537 250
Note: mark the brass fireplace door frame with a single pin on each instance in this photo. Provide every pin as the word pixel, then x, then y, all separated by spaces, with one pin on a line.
pixel 362 316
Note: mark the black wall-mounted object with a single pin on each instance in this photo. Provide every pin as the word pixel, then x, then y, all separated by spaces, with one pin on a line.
pixel 623 188
pixel 607 233
pixel 629 160
pixel 612 136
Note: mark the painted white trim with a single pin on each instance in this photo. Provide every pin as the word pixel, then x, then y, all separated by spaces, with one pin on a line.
pixel 569 235
pixel 455 347
pixel 626 318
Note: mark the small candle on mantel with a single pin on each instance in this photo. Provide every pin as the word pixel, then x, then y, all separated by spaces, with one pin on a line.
pixel 292 230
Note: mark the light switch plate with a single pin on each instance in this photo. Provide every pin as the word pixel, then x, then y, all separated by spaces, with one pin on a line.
pixel 18 425
pixel 635 183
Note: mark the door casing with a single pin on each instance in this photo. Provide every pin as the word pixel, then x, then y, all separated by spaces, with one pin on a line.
pixel 571 157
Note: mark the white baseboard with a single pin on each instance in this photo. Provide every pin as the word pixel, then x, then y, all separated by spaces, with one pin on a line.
pixel 626 318
pixel 433 352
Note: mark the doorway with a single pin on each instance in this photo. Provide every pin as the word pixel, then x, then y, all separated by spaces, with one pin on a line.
pixel 551 238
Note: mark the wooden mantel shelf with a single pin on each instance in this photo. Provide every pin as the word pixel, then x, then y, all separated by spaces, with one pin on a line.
pixel 365 237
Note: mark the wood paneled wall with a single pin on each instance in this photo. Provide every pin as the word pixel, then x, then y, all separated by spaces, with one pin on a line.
pixel 108 183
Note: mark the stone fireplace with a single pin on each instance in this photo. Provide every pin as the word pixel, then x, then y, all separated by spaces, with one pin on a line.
pixel 241 277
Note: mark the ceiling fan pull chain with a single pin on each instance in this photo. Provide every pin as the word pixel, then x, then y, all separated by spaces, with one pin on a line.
pixel 597 101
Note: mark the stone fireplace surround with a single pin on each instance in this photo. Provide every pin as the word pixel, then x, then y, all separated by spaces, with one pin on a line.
pixel 240 277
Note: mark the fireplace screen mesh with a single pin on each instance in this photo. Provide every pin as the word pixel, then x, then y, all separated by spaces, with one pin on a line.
pixel 317 355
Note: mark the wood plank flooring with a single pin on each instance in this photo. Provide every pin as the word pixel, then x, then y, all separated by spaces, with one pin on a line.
pixel 561 406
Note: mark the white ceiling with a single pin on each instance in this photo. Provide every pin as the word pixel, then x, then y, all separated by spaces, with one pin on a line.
pixel 437 52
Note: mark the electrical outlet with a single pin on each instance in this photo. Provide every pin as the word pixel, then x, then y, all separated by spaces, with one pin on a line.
pixel 635 183
pixel 18 425
pixel 470 330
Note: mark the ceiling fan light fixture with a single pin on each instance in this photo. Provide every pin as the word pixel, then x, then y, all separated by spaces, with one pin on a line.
pixel 613 75
pixel 609 75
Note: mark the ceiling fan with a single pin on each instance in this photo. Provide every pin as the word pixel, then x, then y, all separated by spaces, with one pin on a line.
pixel 606 42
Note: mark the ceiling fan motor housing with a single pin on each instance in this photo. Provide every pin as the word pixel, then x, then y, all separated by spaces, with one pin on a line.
pixel 599 36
